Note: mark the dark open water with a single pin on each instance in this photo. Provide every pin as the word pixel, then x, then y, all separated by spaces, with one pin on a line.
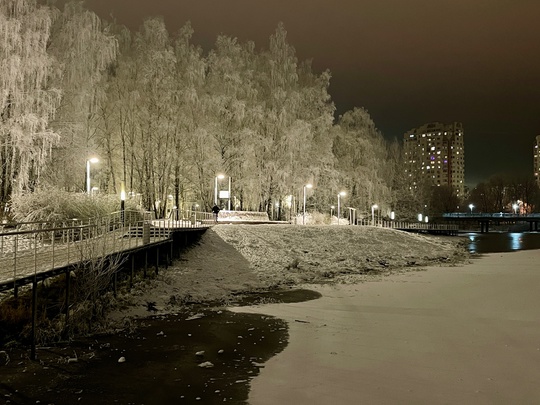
pixel 494 242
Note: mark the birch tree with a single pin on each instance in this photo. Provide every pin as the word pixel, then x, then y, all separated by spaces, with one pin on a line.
pixel 86 50
pixel 192 142
pixel 155 124
pixel 360 153
pixel 28 102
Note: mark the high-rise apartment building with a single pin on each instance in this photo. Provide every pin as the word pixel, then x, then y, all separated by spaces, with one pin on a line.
pixel 435 153
pixel 536 160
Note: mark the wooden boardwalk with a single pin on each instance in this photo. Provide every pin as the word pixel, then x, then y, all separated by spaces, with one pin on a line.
pixel 43 252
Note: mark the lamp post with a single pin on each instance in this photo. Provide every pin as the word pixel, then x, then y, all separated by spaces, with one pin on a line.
pixel 309 185
pixel 515 207
pixel 88 161
pixel 220 177
pixel 229 200
pixel 373 208
pixel 332 211
pixel 122 201
pixel 341 194
pixel 216 191
pixel 471 206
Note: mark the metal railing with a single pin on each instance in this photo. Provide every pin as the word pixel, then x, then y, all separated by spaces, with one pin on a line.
pixel 463 215
pixel 408 225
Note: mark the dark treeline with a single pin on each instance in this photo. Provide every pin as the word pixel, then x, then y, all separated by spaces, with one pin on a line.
pixel 165 118
pixel 506 193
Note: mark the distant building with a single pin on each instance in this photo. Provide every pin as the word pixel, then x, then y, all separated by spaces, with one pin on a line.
pixel 536 160
pixel 435 153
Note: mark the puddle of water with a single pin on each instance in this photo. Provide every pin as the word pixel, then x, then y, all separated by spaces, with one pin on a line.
pixel 163 359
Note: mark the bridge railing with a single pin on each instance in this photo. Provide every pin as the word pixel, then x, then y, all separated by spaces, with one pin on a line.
pixel 408 225
pixel 473 215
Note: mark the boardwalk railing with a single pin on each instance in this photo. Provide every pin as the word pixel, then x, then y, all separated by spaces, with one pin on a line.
pixel 413 226
pixel 28 249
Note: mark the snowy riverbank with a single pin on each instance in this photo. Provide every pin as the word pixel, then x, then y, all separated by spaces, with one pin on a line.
pixel 235 259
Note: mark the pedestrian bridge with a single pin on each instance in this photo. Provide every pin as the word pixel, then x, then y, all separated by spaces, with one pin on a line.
pixel 43 249
pixel 486 219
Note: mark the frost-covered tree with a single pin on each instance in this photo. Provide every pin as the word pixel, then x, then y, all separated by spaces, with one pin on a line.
pixel 85 50
pixel 361 155
pixel 296 117
pixel 189 173
pixel 165 119
pixel 28 101
pixel 155 62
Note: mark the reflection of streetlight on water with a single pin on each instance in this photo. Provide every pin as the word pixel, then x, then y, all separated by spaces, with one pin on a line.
pixel 88 161
pixel 304 213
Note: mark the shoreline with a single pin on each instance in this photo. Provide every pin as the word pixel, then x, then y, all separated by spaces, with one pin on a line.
pixel 460 334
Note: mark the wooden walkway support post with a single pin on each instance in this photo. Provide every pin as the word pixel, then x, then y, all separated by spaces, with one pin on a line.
pixel 132 271
pixel 34 318
pixel 145 262
pixel 68 282
pixel 157 260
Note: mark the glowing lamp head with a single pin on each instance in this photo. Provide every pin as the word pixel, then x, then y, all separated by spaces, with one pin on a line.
pixel 122 191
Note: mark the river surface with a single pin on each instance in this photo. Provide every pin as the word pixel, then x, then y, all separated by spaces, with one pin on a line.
pixel 494 242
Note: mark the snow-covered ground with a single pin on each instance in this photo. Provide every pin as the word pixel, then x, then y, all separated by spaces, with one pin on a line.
pixel 293 254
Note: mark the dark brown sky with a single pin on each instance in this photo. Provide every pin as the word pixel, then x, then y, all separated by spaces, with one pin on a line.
pixel 408 62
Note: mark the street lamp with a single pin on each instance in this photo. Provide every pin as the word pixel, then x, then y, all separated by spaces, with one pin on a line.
pixel 332 211
pixel 309 185
pixel 341 194
pixel 373 208
pixel 515 207
pixel 471 206
pixel 220 177
pixel 88 161
pixel 122 201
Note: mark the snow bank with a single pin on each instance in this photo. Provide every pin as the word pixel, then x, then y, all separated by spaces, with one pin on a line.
pixel 292 254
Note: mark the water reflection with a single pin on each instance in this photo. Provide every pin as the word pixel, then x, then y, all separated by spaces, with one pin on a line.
pixel 516 240
pixel 502 241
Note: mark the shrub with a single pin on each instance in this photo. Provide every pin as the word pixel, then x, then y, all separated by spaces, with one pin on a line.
pixel 55 205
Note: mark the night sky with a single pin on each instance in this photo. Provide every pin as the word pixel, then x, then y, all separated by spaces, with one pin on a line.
pixel 408 62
